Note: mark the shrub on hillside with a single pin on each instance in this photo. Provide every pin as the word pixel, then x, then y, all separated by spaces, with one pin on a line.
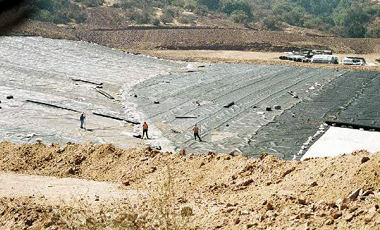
pixel 171 11
pixel 141 17
pixel 190 6
pixel 44 4
pixel 211 4
pixel 201 10
pixel 91 3
pixel 232 5
pixel 239 16
pixel 166 19
pixel 124 4
pixel 270 23
pixel 43 15
pixel 315 23
pixel 156 22
pixel 183 20
pixel 187 19
pixel 61 19
pixel 294 17
pixel 373 32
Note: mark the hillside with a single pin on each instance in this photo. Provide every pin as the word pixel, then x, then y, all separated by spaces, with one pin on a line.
pixel 144 39
pixel 346 18
pixel 137 26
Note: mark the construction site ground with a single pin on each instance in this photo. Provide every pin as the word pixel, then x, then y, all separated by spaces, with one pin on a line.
pixel 205 191
pixel 46 84
pixel 256 57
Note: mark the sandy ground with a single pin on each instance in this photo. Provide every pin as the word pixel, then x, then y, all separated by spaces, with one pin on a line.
pixel 206 191
pixel 56 190
pixel 268 58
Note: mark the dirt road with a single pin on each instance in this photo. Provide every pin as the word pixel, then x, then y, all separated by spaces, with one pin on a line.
pixel 54 190
pixel 260 58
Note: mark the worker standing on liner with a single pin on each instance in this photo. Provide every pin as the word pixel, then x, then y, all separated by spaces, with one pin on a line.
pixel 145 130
pixel 81 119
pixel 196 132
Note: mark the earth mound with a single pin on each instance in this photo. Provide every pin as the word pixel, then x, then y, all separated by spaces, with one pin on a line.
pixel 208 190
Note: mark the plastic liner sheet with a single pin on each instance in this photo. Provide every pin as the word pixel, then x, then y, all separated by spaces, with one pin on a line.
pixel 353 97
pixel 203 95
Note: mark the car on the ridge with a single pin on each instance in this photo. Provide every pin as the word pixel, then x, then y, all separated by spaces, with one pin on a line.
pixel 354 61
pixel 325 59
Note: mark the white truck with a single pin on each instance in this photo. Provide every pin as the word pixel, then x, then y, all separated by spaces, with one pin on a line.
pixel 354 61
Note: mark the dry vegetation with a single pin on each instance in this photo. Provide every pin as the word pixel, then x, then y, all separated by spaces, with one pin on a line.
pixel 205 191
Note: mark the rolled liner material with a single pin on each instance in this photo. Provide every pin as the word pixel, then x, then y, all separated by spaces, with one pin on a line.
pixel 116 118
pixel 229 105
pixel 185 117
pixel 107 95
pixel 51 105
pixel 86 81
pixel 73 110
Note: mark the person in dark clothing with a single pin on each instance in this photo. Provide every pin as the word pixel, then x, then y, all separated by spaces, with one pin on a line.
pixel 196 132
pixel 145 130
pixel 81 119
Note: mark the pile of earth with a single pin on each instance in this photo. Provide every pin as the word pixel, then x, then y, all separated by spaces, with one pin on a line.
pixel 205 191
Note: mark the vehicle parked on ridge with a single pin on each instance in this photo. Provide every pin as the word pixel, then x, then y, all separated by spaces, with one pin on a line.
pixel 321 52
pixel 306 56
pixel 325 59
pixel 354 61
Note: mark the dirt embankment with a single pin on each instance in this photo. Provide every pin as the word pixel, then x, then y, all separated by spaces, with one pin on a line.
pixel 225 39
pixel 207 190
pixel 151 38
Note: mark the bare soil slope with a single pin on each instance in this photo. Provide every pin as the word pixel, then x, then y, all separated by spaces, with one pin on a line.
pixel 140 38
pixel 222 191
pixel 225 39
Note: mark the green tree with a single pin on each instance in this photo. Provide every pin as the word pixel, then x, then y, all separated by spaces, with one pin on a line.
pixel 45 5
pixel 354 21
pixel 211 4
pixel 270 23
pixel 295 17
pixel 373 32
pixel 232 5
pixel 239 16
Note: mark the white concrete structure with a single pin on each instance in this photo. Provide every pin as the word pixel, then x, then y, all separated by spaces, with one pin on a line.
pixel 337 141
